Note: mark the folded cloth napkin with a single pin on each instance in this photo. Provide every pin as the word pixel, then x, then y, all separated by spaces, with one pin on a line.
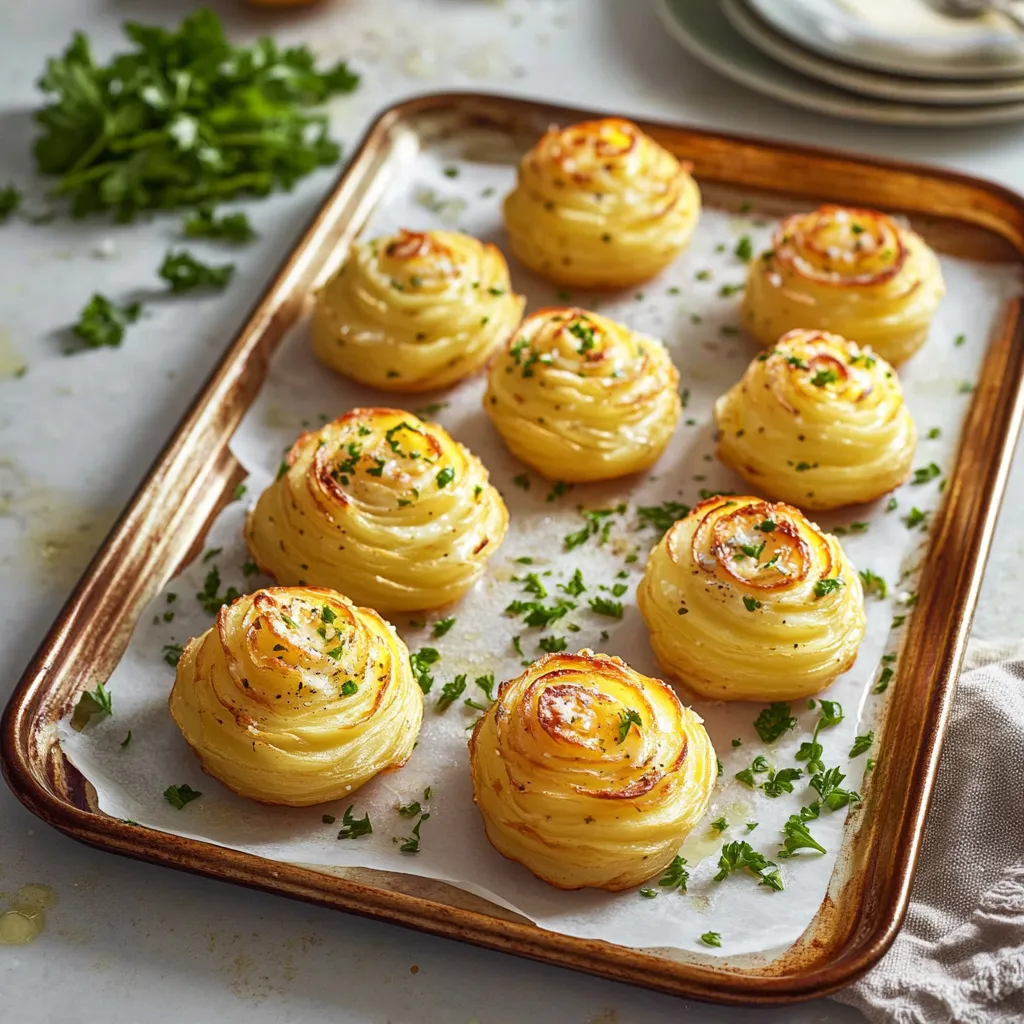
pixel 960 956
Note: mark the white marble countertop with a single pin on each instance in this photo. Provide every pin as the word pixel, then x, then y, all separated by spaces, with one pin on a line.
pixel 128 940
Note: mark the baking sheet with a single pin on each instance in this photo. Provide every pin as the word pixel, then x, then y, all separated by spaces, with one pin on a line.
pixel 685 308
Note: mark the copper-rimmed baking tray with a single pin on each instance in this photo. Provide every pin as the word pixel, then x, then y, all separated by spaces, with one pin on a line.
pixel 164 525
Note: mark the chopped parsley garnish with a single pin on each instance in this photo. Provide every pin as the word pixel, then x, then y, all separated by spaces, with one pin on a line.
pixel 781 781
pixel 532 585
pixel 627 719
pixel 411 844
pixel 862 744
pixel 127 739
pixel 10 200
pixel 720 824
pixel 172 653
pixel 178 796
pixel 232 227
pixel 451 692
pixel 766 526
pixel 606 606
pixel 538 614
pixel 352 827
pixel 522 481
pixel 884 678
pixel 101 323
pixel 328 819
pixel 751 603
pixel 774 721
pixel 711 939
pixel 676 875
pixel 757 767
pixel 442 626
pixel 410 810
pixel 796 836
pixel 661 517
pixel 812 752
pixel 184 273
pixel 827 586
pixel 421 661
pixel 648 893
pixel 486 683
pixel 924 474
pixel 95 704
pixel 552 644
pixel 575 586
pixel 824 377
pixel 210 597
pixel 557 491
pixel 445 477
pixel 598 524
pixel 915 517
pixel 349 688
pixel 828 786
pixel 740 856
pixel 874 584
pixel 744 249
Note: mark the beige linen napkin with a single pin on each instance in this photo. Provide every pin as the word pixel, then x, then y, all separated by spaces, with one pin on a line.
pixel 960 956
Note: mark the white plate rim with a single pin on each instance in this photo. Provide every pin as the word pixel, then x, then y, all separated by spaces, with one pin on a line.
pixel 855 108
pixel 891 59
pixel 745 19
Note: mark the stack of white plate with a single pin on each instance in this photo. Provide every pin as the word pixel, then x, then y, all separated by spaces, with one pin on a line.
pixel 887 61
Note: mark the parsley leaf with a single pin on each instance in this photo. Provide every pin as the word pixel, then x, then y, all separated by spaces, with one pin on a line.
pixel 773 721
pixel 443 625
pixel 828 786
pixel 796 836
pixel 552 644
pixel 10 200
pixel 101 323
pixel 97 704
pixel 178 796
pixel 661 517
pixel 184 273
pixel 606 606
pixel 486 683
pixel 757 767
pixel 210 597
pixel 232 227
pixel 627 719
pixel 450 692
pixel 676 876
pixel 412 842
pixel 711 939
pixel 353 828
pixel 740 856
pixel 172 653
pixel 421 662
pixel 781 781
pixel 828 586
pixel 861 744
pixel 874 584
pixel 923 474
pixel 575 586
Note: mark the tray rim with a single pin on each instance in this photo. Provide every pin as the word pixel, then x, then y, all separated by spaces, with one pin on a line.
pixel 526 939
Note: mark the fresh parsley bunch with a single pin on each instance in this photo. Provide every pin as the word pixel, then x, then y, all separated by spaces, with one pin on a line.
pixel 183 118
